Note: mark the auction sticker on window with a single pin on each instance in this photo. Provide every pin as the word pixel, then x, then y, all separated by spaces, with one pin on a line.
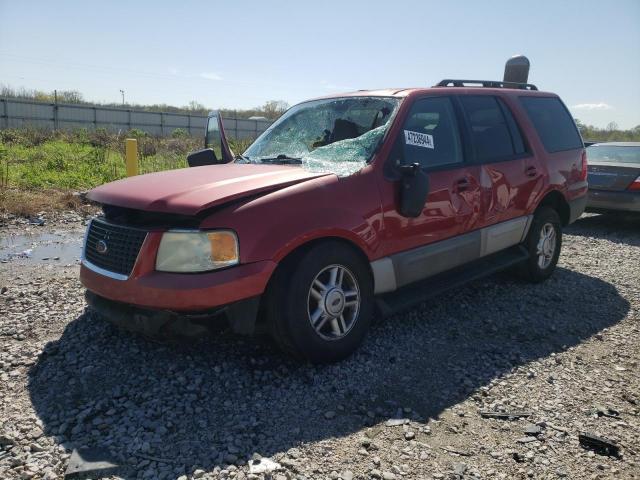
pixel 418 139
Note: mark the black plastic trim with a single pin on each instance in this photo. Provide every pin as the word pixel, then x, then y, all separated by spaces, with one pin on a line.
pixel 415 293
pixel 449 82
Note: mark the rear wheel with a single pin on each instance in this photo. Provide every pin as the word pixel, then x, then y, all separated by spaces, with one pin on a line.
pixel 320 304
pixel 543 242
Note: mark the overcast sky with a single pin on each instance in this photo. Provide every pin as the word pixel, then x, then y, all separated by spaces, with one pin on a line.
pixel 240 54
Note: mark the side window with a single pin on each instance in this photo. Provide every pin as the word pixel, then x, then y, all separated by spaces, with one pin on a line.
pixel 490 132
pixel 430 134
pixel 553 122
pixel 516 134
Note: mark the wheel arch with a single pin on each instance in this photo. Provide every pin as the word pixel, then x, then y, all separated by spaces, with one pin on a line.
pixel 300 250
pixel 556 200
pixel 307 245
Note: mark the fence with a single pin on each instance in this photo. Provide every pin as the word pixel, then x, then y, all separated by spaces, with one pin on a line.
pixel 16 113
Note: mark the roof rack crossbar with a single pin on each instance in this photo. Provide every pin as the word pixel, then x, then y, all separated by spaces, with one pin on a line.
pixel 448 82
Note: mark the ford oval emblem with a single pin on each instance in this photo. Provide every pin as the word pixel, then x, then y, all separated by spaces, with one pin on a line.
pixel 101 247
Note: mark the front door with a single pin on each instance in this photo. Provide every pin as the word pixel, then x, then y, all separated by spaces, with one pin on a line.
pixel 430 136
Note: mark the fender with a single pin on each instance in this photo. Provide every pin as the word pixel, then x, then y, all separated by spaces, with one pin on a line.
pixel 273 225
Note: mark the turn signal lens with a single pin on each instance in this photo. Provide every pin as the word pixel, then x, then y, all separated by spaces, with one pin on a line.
pixel 635 185
pixel 224 247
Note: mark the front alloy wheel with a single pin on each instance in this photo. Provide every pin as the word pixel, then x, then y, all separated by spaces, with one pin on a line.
pixel 333 302
pixel 319 303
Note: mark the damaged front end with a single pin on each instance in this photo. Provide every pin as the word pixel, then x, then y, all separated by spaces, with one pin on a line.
pixel 239 316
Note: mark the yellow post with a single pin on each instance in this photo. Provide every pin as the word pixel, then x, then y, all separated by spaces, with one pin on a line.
pixel 131 156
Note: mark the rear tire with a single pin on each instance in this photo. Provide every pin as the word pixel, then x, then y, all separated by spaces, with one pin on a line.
pixel 543 243
pixel 320 303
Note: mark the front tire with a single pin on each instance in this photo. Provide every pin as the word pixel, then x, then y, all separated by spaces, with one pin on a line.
pixel 543 243
pixel 320 304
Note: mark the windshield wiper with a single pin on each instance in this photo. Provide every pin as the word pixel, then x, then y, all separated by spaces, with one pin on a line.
pixel 239 156
pixel 282 158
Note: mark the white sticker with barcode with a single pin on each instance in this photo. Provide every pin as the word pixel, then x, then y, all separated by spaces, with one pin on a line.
pixel 418 139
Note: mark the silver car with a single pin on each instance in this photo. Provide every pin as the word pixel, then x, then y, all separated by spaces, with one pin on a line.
pixel 614 177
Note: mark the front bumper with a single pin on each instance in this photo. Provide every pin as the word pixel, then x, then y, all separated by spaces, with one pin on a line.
pixel 606 200
pixel 181 293
pixel 241 316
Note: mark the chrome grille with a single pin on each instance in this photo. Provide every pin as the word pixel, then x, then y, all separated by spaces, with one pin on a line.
pixel 113 247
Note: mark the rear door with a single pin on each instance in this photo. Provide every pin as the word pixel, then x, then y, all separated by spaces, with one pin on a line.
pixel 509 173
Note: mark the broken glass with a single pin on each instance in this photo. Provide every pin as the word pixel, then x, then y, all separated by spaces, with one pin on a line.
pixel 337 135
pixel 346 156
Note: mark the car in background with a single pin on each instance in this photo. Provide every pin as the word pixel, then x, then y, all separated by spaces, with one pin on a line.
pixel 614 177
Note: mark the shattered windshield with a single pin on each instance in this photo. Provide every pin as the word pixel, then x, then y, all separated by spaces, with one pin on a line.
pixel 337 135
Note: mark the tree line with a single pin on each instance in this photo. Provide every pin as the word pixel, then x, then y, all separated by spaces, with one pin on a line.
pixel 611 133
pixel 271 109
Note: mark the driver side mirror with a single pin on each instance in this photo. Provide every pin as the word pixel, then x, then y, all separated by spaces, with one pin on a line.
pixel 202 157
pixel 216 146
pixel 414 187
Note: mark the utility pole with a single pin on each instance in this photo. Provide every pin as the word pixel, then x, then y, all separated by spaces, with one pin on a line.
pixel 122 92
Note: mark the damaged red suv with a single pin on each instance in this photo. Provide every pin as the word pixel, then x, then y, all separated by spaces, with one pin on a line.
pixel 348 205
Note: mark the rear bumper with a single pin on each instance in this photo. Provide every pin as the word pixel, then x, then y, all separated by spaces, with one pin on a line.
pixel 606 200
pixel 577 207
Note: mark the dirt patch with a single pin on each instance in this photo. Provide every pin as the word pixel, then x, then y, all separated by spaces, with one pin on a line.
pixel 30 203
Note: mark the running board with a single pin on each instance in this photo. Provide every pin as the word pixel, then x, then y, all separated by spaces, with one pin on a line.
pixel 415 293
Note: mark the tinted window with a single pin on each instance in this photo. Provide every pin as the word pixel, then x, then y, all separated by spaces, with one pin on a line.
pixel 430 134
pixel 514 130
pixel 553 123
pixel 490 132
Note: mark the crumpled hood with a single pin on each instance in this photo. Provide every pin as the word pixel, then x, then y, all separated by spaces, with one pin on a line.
pixel 188 191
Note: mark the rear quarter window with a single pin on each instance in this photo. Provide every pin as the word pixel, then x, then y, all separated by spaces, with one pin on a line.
pixel 553 123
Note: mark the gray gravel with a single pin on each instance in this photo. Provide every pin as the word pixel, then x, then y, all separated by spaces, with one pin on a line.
pixel 406 406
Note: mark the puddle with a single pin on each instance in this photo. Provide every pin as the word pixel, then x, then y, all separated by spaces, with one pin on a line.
pixel 52 247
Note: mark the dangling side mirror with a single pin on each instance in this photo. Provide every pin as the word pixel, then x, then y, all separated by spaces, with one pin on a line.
pixel 202 157
pixel 414 190
pixel 216 146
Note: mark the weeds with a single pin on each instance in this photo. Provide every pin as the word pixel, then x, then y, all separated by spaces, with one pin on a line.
pixel 39 167
pixel 33 158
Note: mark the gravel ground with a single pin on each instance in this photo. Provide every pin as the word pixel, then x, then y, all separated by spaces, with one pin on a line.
pixel 406 406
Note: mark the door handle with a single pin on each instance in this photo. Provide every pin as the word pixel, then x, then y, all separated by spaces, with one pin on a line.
pixel 462 184
pixel 531 171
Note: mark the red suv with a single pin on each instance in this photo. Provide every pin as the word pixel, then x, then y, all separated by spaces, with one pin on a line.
pixel 373 199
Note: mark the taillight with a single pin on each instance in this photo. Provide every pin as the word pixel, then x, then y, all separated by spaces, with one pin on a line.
pixel 583 172
pixel 635 185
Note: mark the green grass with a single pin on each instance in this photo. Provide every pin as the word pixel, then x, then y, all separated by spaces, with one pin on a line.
pixel 62 165
pixel 79 162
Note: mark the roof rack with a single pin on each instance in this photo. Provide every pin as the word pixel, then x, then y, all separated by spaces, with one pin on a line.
pixel 486 84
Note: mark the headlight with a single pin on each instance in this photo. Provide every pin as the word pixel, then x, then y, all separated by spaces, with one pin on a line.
pixel 197 251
